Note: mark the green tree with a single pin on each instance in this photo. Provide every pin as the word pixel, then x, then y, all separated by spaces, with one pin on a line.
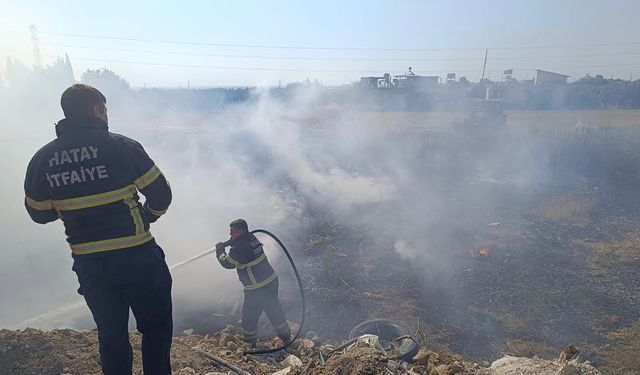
pixel 105 80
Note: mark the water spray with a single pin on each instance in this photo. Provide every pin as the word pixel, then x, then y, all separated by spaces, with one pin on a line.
pixel 73 307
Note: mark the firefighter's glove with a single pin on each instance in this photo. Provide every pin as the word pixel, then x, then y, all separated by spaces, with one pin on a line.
pixel 220 247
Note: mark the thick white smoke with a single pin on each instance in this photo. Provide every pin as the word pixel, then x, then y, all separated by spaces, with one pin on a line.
pixel 283 165
pixel 258 161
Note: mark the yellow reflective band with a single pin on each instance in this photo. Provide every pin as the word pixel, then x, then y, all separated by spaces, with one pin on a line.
pixel 261 284
pixel 251 276
pixel 224 257
pixel 111 244
pixel 252 263
pixel 94 200
pixel 156 212
pixel 231 260
pixel 134 210
pixel 39 205
pixel 147 178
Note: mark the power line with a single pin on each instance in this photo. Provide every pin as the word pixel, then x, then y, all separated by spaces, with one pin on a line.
pixel 224 67
pixel 301 58
pixel 269 46
pixel 563 56
pixel 252 45
pixel 306 70
pixel 261 57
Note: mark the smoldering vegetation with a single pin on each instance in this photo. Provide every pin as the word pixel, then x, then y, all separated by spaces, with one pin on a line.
pixel 384 212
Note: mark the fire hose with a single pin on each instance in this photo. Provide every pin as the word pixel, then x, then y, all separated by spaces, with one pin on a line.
pixel 295 270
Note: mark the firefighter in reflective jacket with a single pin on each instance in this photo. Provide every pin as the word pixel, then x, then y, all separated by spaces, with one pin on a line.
pixel 260 282
pixel 90 179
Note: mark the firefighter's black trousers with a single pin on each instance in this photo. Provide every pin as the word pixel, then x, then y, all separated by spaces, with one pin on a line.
pixel 136 278
pixel 263 299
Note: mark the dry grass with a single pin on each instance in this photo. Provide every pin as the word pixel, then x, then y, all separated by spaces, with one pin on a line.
pixel 405 310
pixel 318 239
pixel 548 120
pixel 556 120
pixel 568 208
pixel 509 321
pixel 606 255
pixel 606 323
pixel 524 348
pixel 513 322
pixel 543 121
pixel 622 356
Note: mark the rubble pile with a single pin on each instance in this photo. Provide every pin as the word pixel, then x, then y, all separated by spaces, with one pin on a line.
pixel 67 351
pixel 533 366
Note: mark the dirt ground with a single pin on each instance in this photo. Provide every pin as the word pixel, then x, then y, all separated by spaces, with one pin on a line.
pixel 561 270
pixel 31 352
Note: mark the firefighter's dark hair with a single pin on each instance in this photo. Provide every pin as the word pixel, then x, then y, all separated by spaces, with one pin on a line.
pixel 240 224
pixel 79 99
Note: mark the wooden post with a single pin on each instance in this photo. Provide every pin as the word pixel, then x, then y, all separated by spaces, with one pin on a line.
pixel 221 361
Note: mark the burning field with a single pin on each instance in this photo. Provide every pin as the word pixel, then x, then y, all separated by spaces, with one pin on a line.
pixel 489 255
pixel 511 240
pixel 527 241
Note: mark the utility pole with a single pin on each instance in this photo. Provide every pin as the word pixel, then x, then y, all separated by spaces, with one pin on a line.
pixel 37 57
pixel 486 52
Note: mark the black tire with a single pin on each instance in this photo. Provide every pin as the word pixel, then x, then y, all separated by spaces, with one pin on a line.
pixel 388 331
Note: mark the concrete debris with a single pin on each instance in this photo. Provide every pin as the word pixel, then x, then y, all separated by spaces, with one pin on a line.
pixel 422 358
pixel 292 361
pixel 530 366
pixel 307 344
pixel 311 335
pixel 186 371
pixel 72 352
pixel 284 371
pixel 570 369
pixel 372 341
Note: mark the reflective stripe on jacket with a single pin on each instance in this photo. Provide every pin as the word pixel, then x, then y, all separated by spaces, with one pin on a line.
pixel 90 178
pixel 248 258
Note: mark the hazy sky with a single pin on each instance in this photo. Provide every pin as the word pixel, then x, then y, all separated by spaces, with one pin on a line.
pixel 228 43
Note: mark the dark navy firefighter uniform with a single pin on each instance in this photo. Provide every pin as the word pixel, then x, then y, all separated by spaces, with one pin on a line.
pixel 90 179
pixel 260 282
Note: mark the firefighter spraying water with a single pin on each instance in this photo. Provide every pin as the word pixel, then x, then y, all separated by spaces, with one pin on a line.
pixel 260 282
pixel 259 279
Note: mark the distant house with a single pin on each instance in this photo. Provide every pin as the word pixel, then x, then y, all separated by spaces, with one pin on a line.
pixel 417 83
pixel 376 82
pixel 370 82
pixel 544 77
pixel 409 81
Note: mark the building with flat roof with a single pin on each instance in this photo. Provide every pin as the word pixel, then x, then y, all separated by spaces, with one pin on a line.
pixel 544 77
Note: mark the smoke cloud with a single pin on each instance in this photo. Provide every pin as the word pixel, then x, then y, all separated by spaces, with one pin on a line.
pixel 423 187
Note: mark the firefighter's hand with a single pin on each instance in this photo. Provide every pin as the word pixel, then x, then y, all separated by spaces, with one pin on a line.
pixel 220 246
